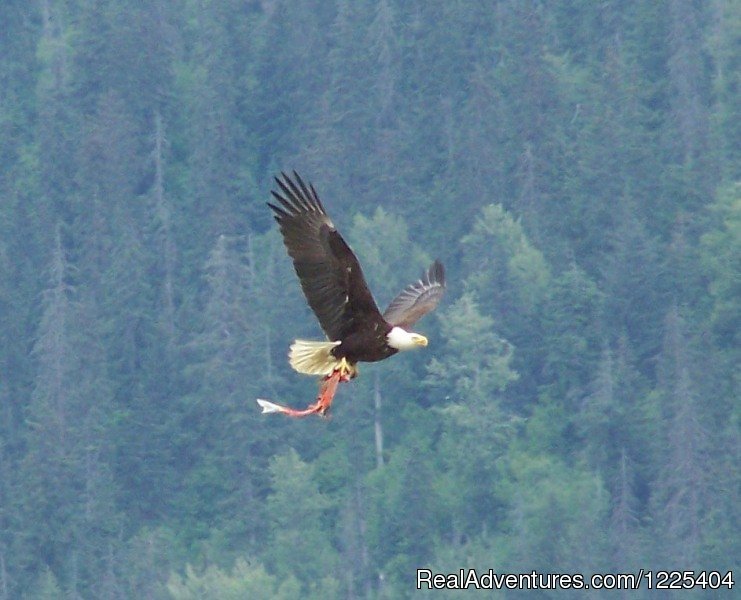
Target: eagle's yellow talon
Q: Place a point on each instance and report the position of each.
(344, 367)
(346, 370)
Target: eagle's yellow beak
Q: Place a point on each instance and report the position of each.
(419, 340)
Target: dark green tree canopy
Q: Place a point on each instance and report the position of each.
(575, 165)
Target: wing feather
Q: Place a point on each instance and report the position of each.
(418, 298)
(329, 272)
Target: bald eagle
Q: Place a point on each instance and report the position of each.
(335, 288)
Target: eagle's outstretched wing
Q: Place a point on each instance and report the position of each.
(418, 298)
(327, 268)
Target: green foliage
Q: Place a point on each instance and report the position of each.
(47, 587)
(509, 278)
(298, 512)
(721, 247)
(723, 44)
(504, 268)
(68, 471)
(574, 164)
(402, 517)
(244, 580)
(475, 364)
(634, 284)
(569, 502)
(680, 501)
(571, 330)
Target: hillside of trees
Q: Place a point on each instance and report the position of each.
(577, 167)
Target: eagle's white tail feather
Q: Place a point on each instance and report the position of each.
(269, 407)
(313, 358)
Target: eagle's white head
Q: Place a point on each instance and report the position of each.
(404, 340)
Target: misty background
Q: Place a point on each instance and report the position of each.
(574, 164)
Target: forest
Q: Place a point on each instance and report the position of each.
(576, 166)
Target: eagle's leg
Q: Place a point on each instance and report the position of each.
(327, 391)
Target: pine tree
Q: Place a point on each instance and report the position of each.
(719, 247)
(398, 493)
(723, 44)
(571, 315)
(471, 376)
(625, 534)
(570, 502)
(69, 512)
(612, 420)
(223, 440)
(300, 546)
(633, 283)
(166, 237)
(689, 103)
(509, 278)
(245, 580)
(58, 124)
(608, 137)
(679, 498)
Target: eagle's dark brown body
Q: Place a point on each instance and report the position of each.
(368, 344)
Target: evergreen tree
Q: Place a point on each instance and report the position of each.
(400, 492)
(475, 426)
(723, 45)
(245, 580)
(300, 546)
(166, 239)
(612, 419)
(689, 103)
(625, 535)
(509, 277)
(634, 286)
(217, 430)
(574, 165)
(69, 513)
(680, 504)
(568, 501)
(720, 245)
(47, 587)
(570, 334)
